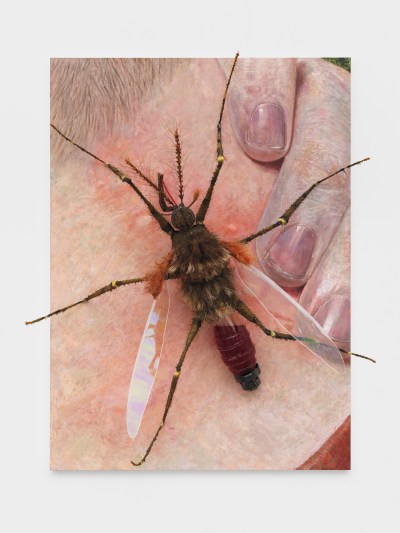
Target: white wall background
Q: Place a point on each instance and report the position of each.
(34, 499)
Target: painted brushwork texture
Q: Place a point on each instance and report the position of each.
(101, 231)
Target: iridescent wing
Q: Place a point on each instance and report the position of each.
(287, 315)
(147, 361)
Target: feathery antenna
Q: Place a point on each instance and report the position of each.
(178, 151)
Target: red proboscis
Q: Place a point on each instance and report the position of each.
(168, 193)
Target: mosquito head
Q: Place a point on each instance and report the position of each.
(183, 218)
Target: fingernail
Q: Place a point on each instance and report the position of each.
(334, 317)
(291, 253)
(267, 127)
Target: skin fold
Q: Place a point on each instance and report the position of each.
(101, 231)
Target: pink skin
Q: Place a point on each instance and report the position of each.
(102, 232)
(327, 293)
(262, 106)
(320, 144)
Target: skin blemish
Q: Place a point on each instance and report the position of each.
(131, 241)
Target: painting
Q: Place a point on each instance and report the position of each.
(285, 125)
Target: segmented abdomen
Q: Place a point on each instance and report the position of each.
(236, 348)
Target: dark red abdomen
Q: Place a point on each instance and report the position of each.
(238, 353)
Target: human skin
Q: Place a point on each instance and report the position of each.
(101, 231)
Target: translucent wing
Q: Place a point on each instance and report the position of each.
(147, 360)
(288, 315)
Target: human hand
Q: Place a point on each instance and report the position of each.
(300, 110)
(102, 232)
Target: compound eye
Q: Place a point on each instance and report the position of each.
(183, 218)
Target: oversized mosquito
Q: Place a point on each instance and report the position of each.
(214, 277)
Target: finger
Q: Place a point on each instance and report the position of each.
(327, 294)
(99, 232)
(320, 146)
(261, 104)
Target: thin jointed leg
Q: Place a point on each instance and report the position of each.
(110, 287)
(205, 204)
(196, 323)
(247, 313)
(284, 219)
(163, 222)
